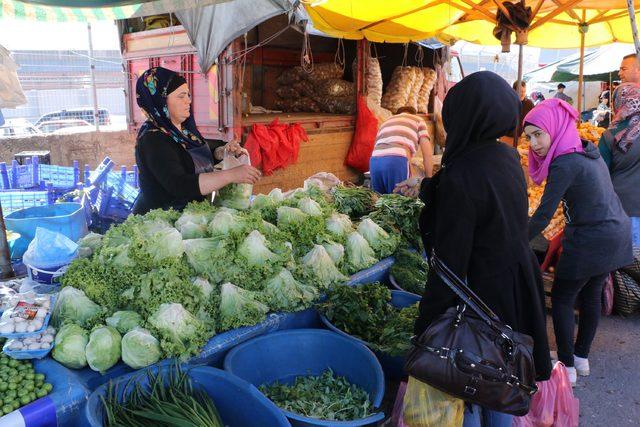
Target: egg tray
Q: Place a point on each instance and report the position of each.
(45, 324)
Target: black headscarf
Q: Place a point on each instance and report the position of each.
(480, 108)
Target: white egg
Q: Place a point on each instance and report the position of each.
(21, 328)
(31, 328)
(18, 319)
(7, 328)
(34, 347)
(16, 345)
(42, 313)
(47, 338)
(45, 345)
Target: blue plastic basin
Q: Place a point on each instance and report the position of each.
(393, 366)
(284, 356)
(65, 218)
(239, 403)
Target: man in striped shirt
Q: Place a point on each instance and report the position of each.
(398, 140)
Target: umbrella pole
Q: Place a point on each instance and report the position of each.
(634, 26)
(581, 73)
(516, 137)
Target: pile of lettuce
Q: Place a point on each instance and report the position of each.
(167, 281)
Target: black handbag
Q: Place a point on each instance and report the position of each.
(470, 354)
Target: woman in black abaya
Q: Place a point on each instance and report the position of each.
(476, 220)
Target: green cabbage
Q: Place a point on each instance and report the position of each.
(89, 244)
(339, 225)
(204, 286)
(103, 348)
(182, 334)
(380, 241)
(321, 269)
(124, 321)
(70, 344)
(335, 251)
(140, 349)
(309, 206)
(284, 293)
(276, 195)
(160, 240)
(234, 196)
(240, 307)
(206, 257)
(255, 251)
(360, 256)
(73, 306)
(290, 216)
(193, 225)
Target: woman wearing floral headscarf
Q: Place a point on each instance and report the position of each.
(175, 161)
(597, 234)
(620, 149)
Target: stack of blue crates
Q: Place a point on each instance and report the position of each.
(111, 194)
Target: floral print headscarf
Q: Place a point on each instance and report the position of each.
(626, 122)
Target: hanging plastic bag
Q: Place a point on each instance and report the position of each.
(364, 138)
(553, 404)
(234, 196)
(49, 249)
(425, 406)
(398, 407)
(11, 94)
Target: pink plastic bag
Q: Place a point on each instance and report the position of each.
(554, 404)
(396, 415)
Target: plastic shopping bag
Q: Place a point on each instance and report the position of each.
(398, 407)
(49, 249)
(234, 196)
(553, 404)
(425, 406)
(11, 94)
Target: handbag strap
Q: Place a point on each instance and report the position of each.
(463, 291)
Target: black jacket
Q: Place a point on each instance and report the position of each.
(167, 173)
(479, 229)
(597, 237)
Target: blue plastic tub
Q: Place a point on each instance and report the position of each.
(239, 403)
(65, 218)
(393, 366)
(283, 356)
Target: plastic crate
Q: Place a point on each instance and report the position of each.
(100, 173)
(109, 206)
(14, 200)
(61, 177)
(118, 184)
(24, 176)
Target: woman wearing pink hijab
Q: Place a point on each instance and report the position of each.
(597, 233)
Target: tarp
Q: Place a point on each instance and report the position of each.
(470, 20)
(599, 65)
(38, 11)
(213, 27)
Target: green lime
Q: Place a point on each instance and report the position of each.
(47, 387)
(32, 395)
(30, 386)
(39, 377)
(4, 386)
(25, 400)
(40, 393)
(30, 376)
(13, 386)
(4, 361)
(7, 408)
(22, 392)
(13, 363)
(10, 395)
(16, 404)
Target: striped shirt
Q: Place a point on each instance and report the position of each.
(400, 134)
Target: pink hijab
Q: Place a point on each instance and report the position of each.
(558, 119)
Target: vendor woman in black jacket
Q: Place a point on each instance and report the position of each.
(597, 236)
(175, 161)
(475, 220)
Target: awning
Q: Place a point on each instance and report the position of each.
(213, 27)
(118, 9)
(556, 23)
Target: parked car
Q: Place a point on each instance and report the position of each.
(56, 125)
(85, 114)
(18, 128)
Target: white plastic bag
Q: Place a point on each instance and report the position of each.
(11, 94)
(234, 196)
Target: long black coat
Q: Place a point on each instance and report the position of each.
(479, 229)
